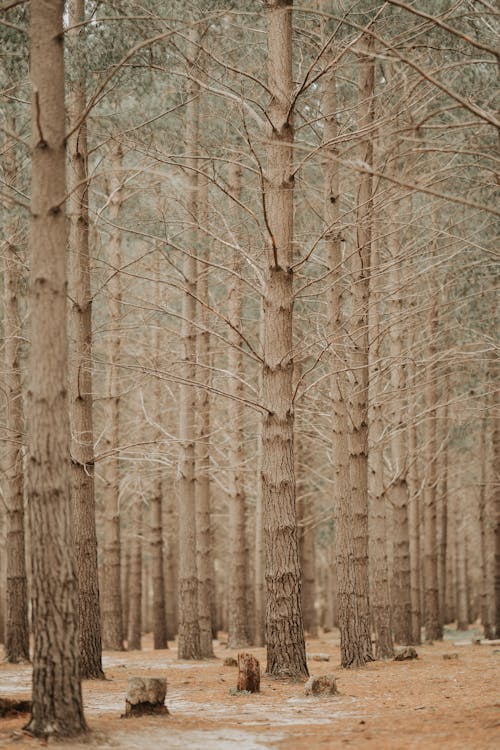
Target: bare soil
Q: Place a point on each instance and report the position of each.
(430, 702)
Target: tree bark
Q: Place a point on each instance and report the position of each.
(203, 485)
(80, 375)
(380, 599)
(112, 630)
(189, 629)
(358, 359)
(433, 629)
(57, 708)
(135, 582)
(286, 654)
(238, 625)
(16, 603)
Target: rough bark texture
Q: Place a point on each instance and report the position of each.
(112, 629)
(380, 600)
(238, 630)
(189, 629)
(16, 603)
(358, 360)
(203, 484)
(57, 698)
(305, 514)
(495, 440)
(344, 543)
(155, 514)
(286, 654)
(483, 529)
(433, 629)
(171, 539)
(398, 494)
(248, 673)
(145, 696)
(135, 583)
(80, 375)
(259, 575)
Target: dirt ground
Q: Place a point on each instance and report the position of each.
(426, 703)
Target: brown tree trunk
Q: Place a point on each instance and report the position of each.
(495, 441)
(57, 708)
(358, 360)
(306, 539)
(112, 632)
(442, 500)
(135, 582)
(413, 509)
(80, 374)
(433, 629)
(203, 485)
(380, 599)
(16, 603)
(260, 604)
(156, 514)
(483, 529)
(238, 625)
(171, 539)
(286, 654)
(189, 629)
(398, 493)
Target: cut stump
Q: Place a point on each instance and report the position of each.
(230, 661)
(248, 673)
(405, 654)
(323, 684)
(145, 696)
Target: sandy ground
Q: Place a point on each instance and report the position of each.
(427, 703)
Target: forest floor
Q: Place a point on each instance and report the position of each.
(429, 703)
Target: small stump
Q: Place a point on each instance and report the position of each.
(248, 673)
(405, 654)
(324, 684)
(230, 661)
(320, 657)
(145, 695)
(453, 655)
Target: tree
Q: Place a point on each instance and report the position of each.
(286, 655)
(80, 371)
(57, 699)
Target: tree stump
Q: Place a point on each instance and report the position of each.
(405, 653)
(322, 685)
(248, 673)
(145, 695)
(230, 661)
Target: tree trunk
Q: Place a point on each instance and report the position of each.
(17, 627)
(238, 630)
(398, 493)
(286, 654)
(379, 575)
(135, 584)
(495, 440)
(57, 708)
(433, 629)
(483, 529)
(189, 629)
(156, 515)
(112, 632)
(171, 557)
(358, 360)
(80, 375)
(306, 540)
(413, 507)
(260, 603)
(442, 499)
(203, 489)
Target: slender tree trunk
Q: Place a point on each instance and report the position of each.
(461, 545)
(238, 630)
(189, 629)
(57, 708)
(17, 626)
(379, 575)
(156, 515)
(495, 440)
(358, 355)
(135, 586)
(286, 653)
(306, 539)
(260, 603)
(398, 493)
(80, 373)
(203, 485)
(413, 508)
(433, 628)
(171, 538)
(344, 543)
(483, 521)
(112, 632)
(442, 499)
